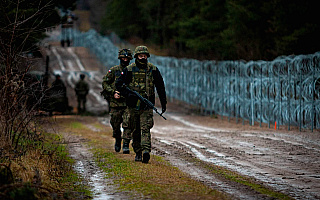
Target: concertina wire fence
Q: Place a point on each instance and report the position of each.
(285, 90)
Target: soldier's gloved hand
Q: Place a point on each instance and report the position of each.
(164, 108)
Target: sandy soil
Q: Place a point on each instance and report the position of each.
(286, 161)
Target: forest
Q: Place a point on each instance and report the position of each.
(218, 29)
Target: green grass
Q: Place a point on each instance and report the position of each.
(156, 180)
(77, 125)
(235, 177)
(74, 183)
(44, 158)
(68, 179)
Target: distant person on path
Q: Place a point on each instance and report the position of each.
(143, 77)
(117, 102)
(82, 90)
(58, 96)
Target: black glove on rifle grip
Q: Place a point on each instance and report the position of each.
(164, 108)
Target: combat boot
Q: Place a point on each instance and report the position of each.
(138, 157)
(125, 147)
(145, 157)
(117, 145)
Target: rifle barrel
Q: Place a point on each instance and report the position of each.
(146, 101)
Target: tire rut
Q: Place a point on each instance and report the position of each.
(288, 163)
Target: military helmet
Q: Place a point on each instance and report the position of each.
(140, 50)
(125, 53)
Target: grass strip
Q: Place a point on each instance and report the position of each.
(44, 171)
(243, 180)
(159, 179)
(156, 180)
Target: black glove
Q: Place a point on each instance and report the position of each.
(164, 108)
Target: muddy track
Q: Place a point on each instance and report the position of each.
(286, 161)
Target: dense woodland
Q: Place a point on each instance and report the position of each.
(23, 23)
(219, 29)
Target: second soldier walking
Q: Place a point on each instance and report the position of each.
(116, 101)
(144, 78)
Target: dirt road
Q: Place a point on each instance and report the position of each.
(287, 161)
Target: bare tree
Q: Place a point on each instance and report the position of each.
(23, 24)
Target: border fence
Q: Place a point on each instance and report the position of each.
(285, 91)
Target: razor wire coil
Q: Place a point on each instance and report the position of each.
(285, 90)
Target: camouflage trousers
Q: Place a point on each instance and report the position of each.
(117, 115)
(140, 123)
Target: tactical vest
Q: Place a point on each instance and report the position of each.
(142, 79)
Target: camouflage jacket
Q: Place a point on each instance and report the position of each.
(109, 88)
(144, 81)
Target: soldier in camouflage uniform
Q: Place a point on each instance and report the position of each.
(116, 101)
(82, 90)
(142, 77)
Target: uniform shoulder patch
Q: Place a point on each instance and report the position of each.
(114, 68)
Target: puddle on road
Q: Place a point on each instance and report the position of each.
(96, 181)
(98, 187)
(92, 173)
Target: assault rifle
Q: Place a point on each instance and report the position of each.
(146, 101)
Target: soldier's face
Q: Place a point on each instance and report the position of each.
(125, 59)
(142, 56)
